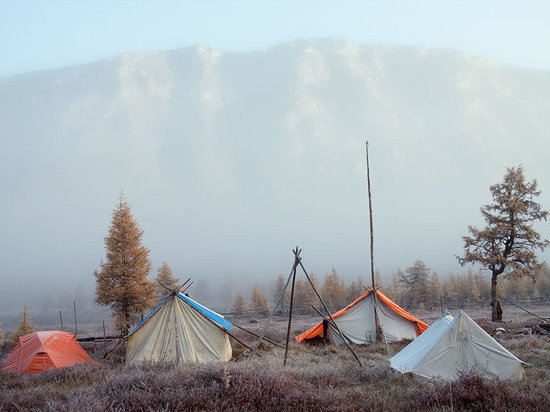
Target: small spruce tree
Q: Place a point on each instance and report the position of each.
(25, 326)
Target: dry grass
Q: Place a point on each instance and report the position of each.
(315, 378)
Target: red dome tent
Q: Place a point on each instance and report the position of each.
(38, 351)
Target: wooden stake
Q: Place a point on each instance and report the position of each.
(104, 340)
(75, 326)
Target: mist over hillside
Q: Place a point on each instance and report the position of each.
(231, 159)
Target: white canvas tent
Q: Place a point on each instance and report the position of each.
(180, 330)
(454, 345)
(357, 322)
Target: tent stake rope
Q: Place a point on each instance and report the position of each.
(517, 306)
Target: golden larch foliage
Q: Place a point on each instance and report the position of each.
(238, 306)
(121, 282)
(165, 277)
(258, 301)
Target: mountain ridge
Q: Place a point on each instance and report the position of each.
(223, 151)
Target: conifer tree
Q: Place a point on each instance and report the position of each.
(122, 282)
(1, 332)
(165, 279)
(279, 286)
(258, 301)
(238, 306)
(333, 291)
(25, 326)
(508, 243)
(415, 282)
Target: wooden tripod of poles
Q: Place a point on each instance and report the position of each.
(292, 276)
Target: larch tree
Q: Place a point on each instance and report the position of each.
(279, 287)
(333, 291)
(238, 306)
(258, 301)
(165, 279)
(122, 282)
(508, 243)
(25, 326)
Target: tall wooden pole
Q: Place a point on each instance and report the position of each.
(61, 320)
(378, 328)
(290, 314)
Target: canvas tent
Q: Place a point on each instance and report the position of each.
(180, 330)
(357, 322)
(38, 351)
(453, 345)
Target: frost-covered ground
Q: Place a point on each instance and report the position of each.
(321, 377)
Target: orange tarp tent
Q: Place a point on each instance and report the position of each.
(357, 321)
(38, 351)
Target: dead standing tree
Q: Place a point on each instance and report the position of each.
(292, 276)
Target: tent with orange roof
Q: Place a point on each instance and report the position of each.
(357, 322)
(38, 351)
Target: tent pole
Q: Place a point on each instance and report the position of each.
(299, 260)
(61, 320)
(257, 336)
(290, 313)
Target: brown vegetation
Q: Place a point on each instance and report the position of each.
(316, 378)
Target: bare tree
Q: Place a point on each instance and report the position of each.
(508, 243)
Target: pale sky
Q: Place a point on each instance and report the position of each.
(37, 35)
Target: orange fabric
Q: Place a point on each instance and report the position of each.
(317, 330)
(43, 350)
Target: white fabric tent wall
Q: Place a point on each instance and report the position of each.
(455, 346)
(178, 333)
(358, 323)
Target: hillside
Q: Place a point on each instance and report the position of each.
(231, 159)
